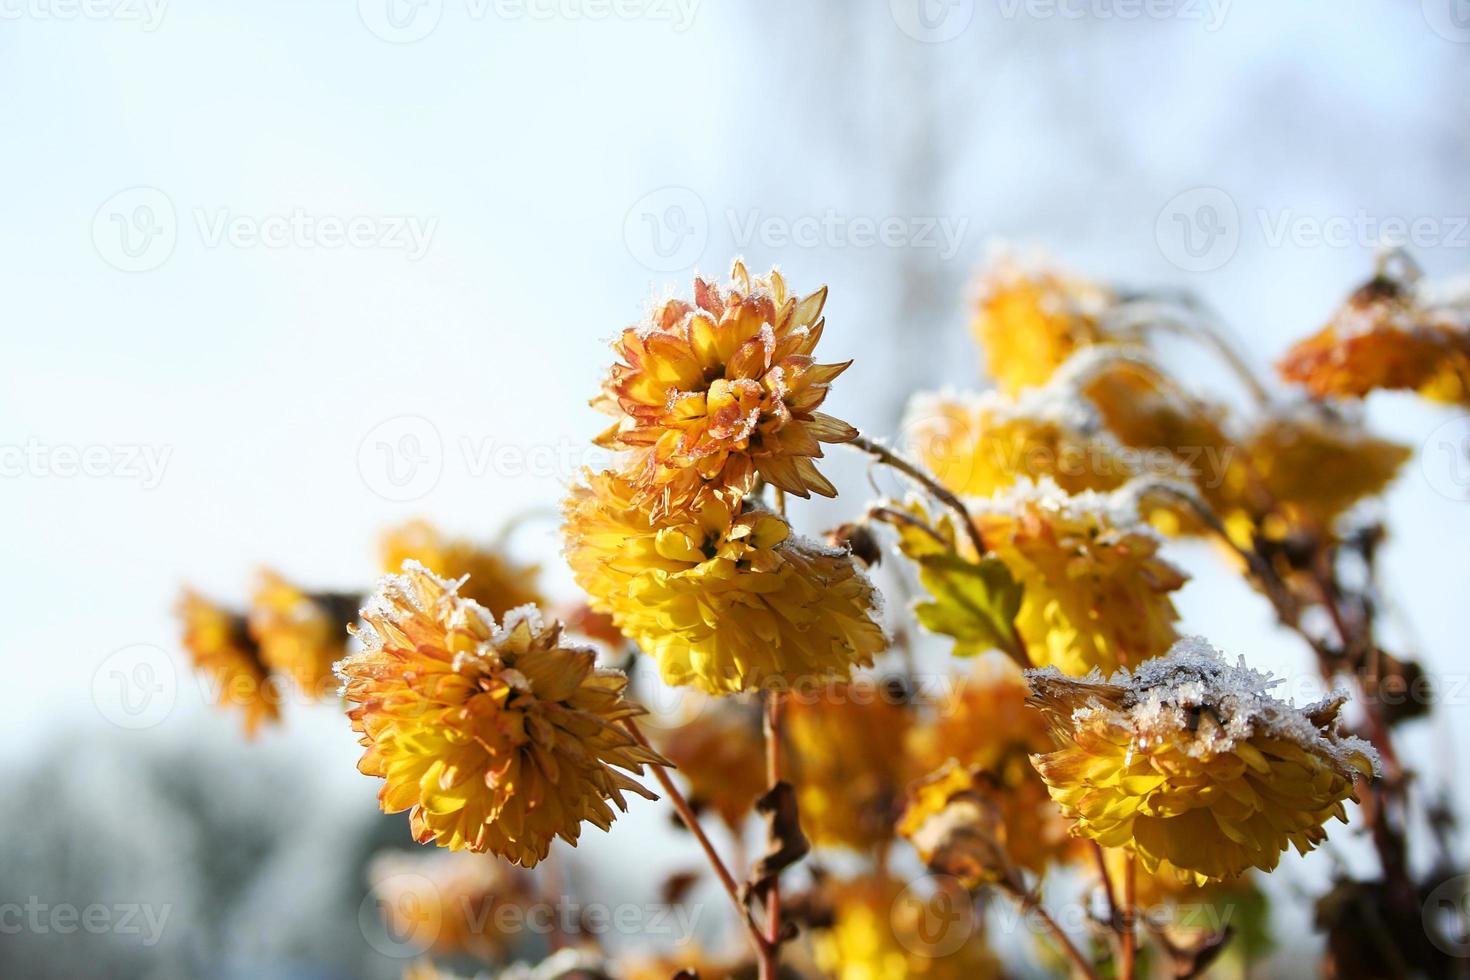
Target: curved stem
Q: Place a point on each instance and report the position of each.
(888, 457)
(1128, 913)
(1029, 903)
(691, 821)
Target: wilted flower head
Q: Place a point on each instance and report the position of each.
(723, 597)
(720, 751)
(1096, 591)
(448, 903)
(847, 752)
(880, 930)
(1383, 337)
(1030, 317)
(220, 644)
(495, 581)
(977, 446)
(1314, 465)
(720, 390)
(498, 738)
(300, 634)
(1191, 764)
(980, 740)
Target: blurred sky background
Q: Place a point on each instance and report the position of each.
(560, 169)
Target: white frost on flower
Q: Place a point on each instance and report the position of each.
(1115, 509)
(1192, 689)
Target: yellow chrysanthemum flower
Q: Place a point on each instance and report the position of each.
(1384, 338)
(720, 751)
(448, 903)
(220, 644)
(980, 740)
(1029, 318)
(495, 581)
(882, 931)
(723, 598)
(846, 750)
(1191, 764)
(499, 738)
(1314, 466)
(300, 634)
(977, 446)
(720, 390)
(1096, 592)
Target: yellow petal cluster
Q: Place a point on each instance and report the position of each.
(448, 903)
(846, 752)
(1191, 764)
(1096, 590)
(1315, 465)
(495, 581)
(882, 931)
(300, 635)
(498, 738)
(1384, 338)
(1029, 318)
(977, 446)
(979, 741)
(715, 392)
(220, 644)
(722, 595)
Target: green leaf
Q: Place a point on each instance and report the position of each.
(975, 602)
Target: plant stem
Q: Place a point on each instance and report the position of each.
(770, 958)
(691, 821)
(1129, 932)
(1029, 903)
(889, 458)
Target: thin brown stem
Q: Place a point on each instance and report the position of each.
(1031, 905)
(1107, 882)
(1129, 930)
(887, 457)
(691, 821)
(770, 950)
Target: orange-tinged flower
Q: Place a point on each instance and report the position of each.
(498, 738)
(300, 634)
(449, 903)
(495, 581)
(979, 742)
(720, 751)
(220, 644)
(1383, 337)
(724, 597)
(1030, 317)
(1315, 465)
(977, 446)
(1096, 591)
(846, 744)
(1191, 764)
(720, 390)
